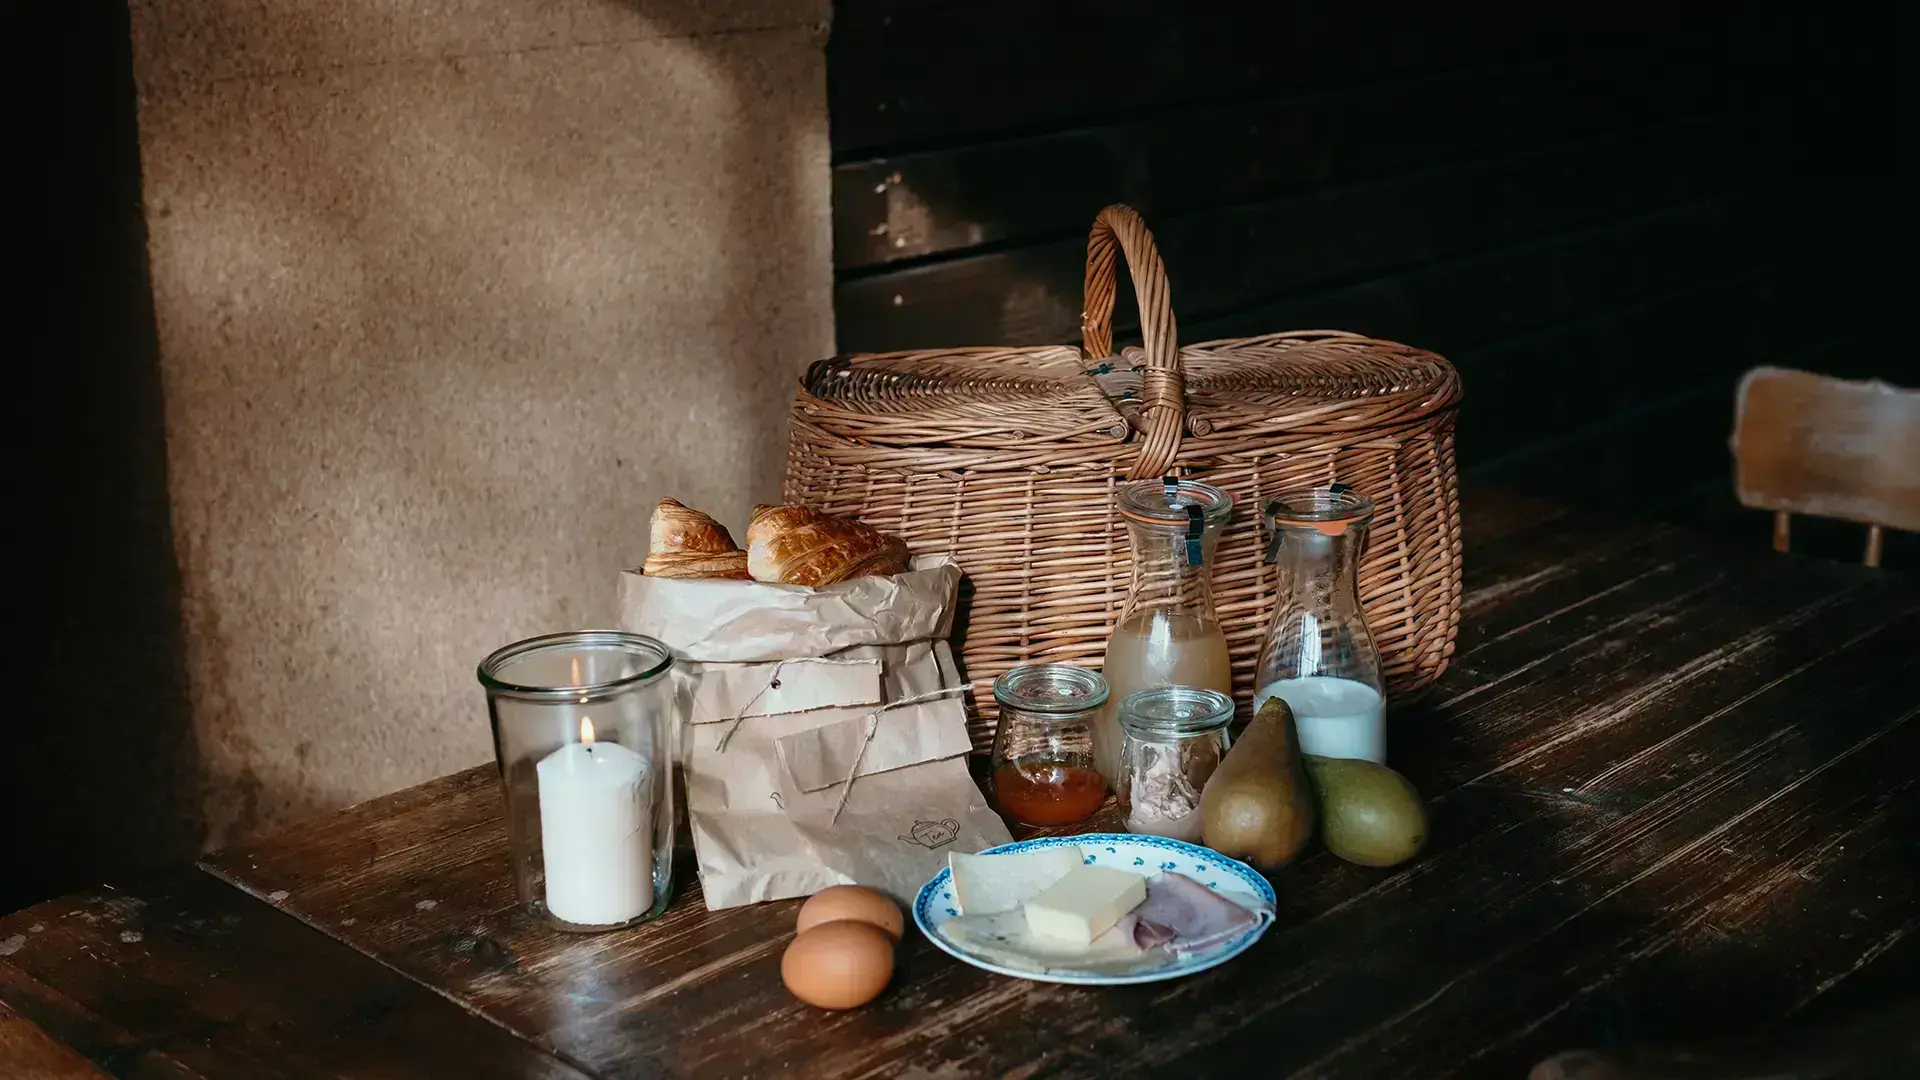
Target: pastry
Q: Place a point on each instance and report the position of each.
(685, 543)
(796, 546)
(725, 564)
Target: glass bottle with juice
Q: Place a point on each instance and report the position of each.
(1167, 634)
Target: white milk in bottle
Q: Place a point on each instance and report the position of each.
(1319, 656)
(1340, 718)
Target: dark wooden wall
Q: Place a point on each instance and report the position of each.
(1600, 215)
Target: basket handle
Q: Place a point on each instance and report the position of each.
(1162, 386)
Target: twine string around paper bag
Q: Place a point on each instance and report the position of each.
(873, 726)
(773, 683)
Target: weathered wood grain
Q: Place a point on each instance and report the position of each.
(1879, 1044)
(1690, 941)
(1645, 747)
(445, 838)
(1488, 516)
(186, 976)
(1507, 863)
(32, 1054)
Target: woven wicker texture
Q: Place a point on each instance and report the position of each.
(1007, 460)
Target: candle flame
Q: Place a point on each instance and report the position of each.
(586, 729)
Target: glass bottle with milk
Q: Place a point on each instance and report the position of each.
(1167, 634)
(1318, 656)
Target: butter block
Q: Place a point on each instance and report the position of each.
(990, 884)
(1084, 904)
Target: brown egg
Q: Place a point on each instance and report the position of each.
(838, 965)
(857, 902)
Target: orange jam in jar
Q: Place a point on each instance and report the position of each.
(1048, 794)
(1043, 769)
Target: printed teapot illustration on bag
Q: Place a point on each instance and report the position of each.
(932, 834)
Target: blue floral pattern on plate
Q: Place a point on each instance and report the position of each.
(1231, 878)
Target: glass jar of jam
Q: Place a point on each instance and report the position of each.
(1175, 738)
(1042, 769)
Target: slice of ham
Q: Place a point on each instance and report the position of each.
(1184, 915)
(1150, 935)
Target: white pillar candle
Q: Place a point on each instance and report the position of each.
(596, 831)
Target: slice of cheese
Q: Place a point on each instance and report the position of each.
(1005, 940)
(1084, 904)
(988, 884)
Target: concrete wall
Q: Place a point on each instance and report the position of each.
(447, 293)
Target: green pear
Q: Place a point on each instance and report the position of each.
(1369, 814)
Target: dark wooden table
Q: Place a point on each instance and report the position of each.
(1673, 798)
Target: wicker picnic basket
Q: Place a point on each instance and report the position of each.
(1007, 460)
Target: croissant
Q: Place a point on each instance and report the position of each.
(685, 543)
(797, 546)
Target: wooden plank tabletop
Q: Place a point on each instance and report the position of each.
(1672, 799)
(186, 976)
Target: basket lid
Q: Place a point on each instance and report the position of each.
(1308, 380)
(1008, 397)
(989, 398)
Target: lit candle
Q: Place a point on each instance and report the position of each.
(596, 831)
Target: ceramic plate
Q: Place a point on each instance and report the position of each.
(1141, 855)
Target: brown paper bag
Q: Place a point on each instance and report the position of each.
(715, 620)
(762, 809)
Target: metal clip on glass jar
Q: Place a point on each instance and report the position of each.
(1167, 635)
(1318, 656)
(1175, 738)
(584, 728)
(1042, 769)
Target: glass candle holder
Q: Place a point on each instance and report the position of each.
(584, 729)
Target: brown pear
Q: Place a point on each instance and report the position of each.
(1257, 806)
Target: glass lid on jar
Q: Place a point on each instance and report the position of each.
(1331, 510)
(1166, 502)
(1174, 711)
(1050, 688)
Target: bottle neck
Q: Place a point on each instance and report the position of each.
(1321, 572)
(1318, 627)
(1164, 575)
